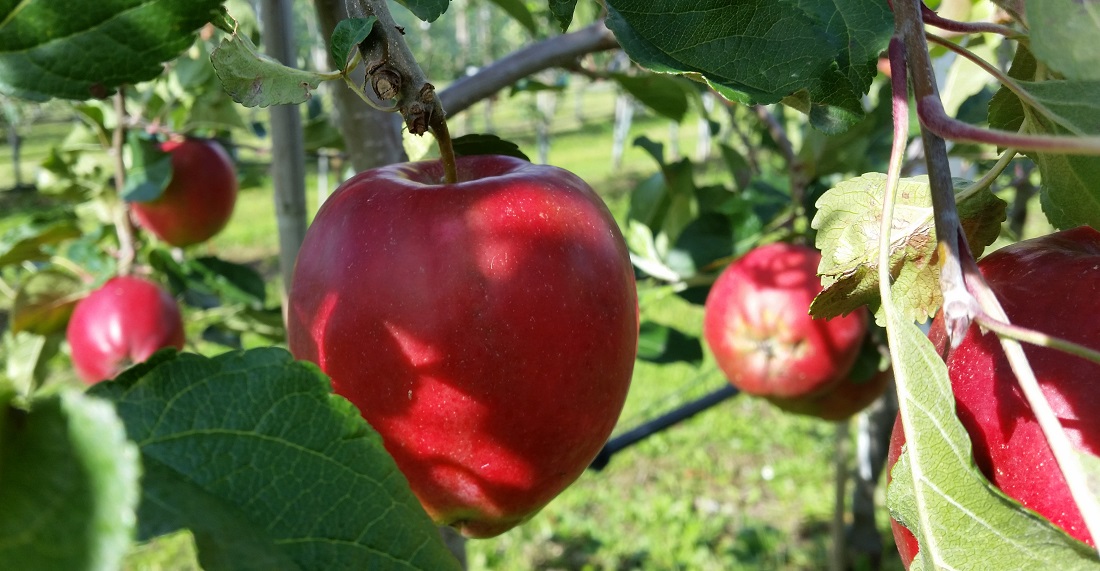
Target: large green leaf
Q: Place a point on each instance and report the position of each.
(26, 241)
(817, 55)
(254, 454)
(1061, 36)
(848, 220)
(75, 49)
(563, 11)
(69, 489)
(254, 79)
(44, 302)
(664, 94)
(959, 519)
(519, 11)
(427, 10)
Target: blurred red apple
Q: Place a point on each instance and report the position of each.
(840, 400)
(121, 323)
(199, 198)
(757, 323)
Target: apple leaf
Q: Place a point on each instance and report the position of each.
(254, 79)
(26, 241)
(427, 10)
(150, 171)
(75, 49)
(254, 454)
(70, 484)
(207, 281)
(1006, 111)
(563, 11)
(26, 355)
(665, 94)
(1056, 28)
(744, 49)
(959, 519)
(519, 12)
(485, 144)
(44, 302)
(661, 344)
(347, 36)
(847, 221)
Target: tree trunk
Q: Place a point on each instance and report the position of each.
(372, 138)
(287, 149)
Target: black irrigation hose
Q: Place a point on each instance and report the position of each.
(637, 434)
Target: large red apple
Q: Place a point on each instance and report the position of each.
(486, 329)
(121, 323)
(757, 323)
(1050, 284)
(199, 198)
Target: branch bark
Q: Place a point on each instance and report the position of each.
(288, 167)
(554, 52)
(354, 119)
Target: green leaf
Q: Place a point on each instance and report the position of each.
(746, 49)
(427, 10)
(74, 49)
(26, 242)
(563, 12)
(26, 356)
(44, 302)
(848, 221)
(518, 10)
(665, 94)
(347, 36)
(208, 280)
(253, 79)
(667, 204)
(253, 453)
(704, 241)
(1070, 192)
(1057, 31)
(959, 519)
(485, 144)
(70, 485)
(150, 172)
(663, 344)
(1006, 111)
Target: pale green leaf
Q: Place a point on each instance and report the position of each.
(254, 79)
(254, 454)
(1063, 33)
(70, 485)
(563, 11)
(848, 221)
(961, 522)
(347, 36)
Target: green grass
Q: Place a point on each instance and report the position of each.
(740, 486)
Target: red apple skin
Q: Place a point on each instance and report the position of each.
(200, 197)
(486, 329)
(839, 401)
(1050, 284)
(757, 323)
(123, 322)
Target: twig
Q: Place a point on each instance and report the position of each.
(394, 73)
(124, 226)
(933, 19)
(796, 169)
(1038, 338)
(934, 118)
(958, 304)
(556, 51)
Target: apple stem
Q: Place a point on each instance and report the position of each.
(958, 303)
(394, 74)
(124, 226)
(1068, 460)
(1038, 338)
(931, 18)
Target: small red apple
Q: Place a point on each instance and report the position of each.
(486, 329)
(839, 401)
(121, 323)
(757, 323)
(1050, 284)
(198, 200)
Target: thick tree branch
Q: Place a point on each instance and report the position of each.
(554, 52)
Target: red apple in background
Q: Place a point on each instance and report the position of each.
(757, 323)
(486, 329)
(121, 323)
(1050, 284)
(841, 400)
(199, 198)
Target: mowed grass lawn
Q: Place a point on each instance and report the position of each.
(740, 486)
